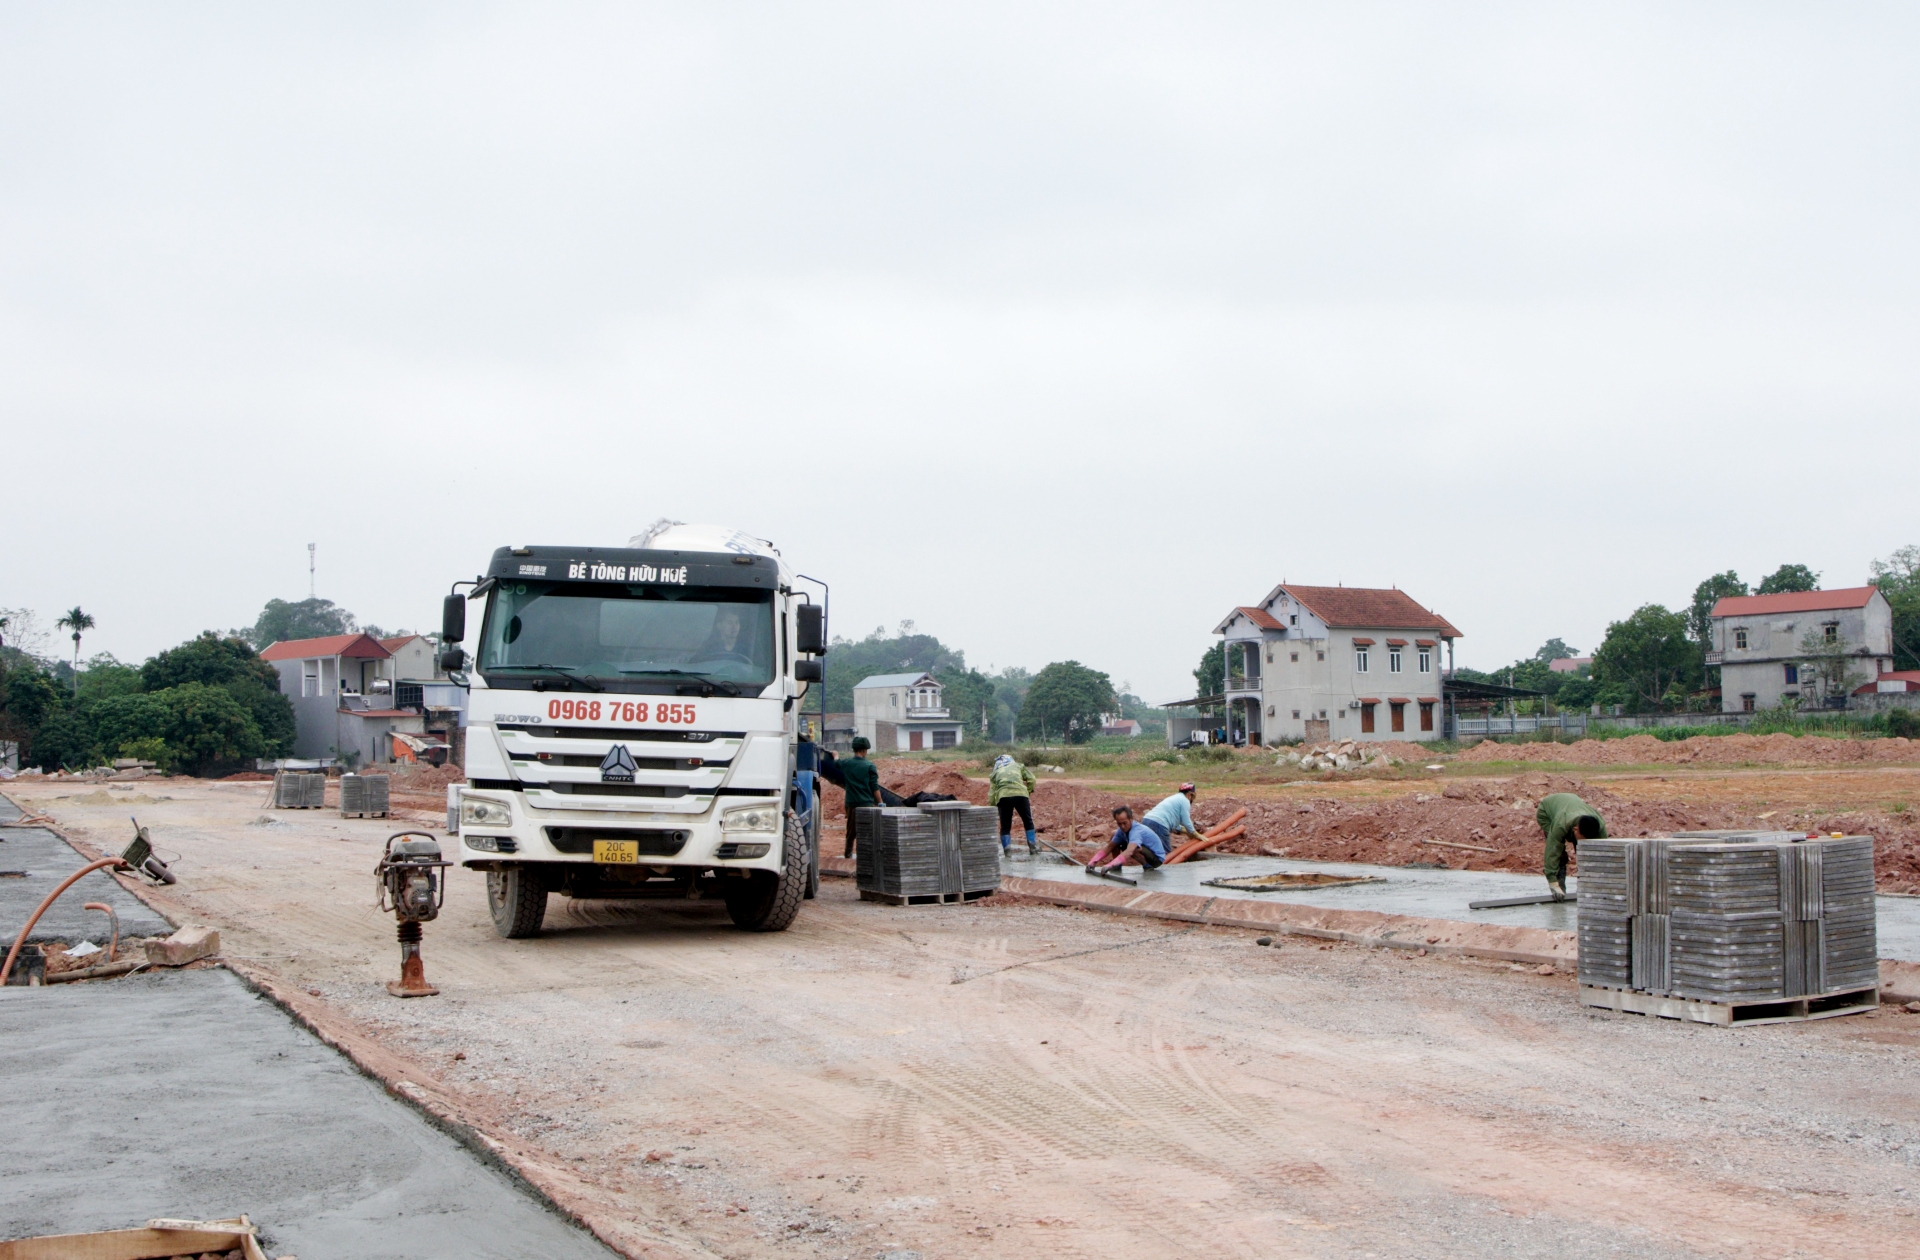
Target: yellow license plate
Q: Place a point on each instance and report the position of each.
(616, 852)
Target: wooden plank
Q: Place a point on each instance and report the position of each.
(138, 1244)
(1730, 1014)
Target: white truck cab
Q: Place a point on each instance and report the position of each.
(634, 726)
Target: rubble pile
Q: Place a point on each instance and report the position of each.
(1340, 754)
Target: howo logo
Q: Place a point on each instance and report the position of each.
(617, 766)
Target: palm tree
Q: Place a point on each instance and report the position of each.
(78, 622)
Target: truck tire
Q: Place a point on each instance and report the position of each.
(765, 902)
(518, 899)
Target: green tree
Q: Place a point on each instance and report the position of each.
(1826, 662)
(63, 741)
(1555, 649)
(1067, 700)
(848, 661)
(1211, 674)
(1898, 577)
(968, 695)
(225, 661)
(1650, 656)
(1710, 592)
(307, 619)
(203, 727)
(79, 622)
(104, 676)
(1789, 578)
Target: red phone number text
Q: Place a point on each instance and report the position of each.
(620, 711)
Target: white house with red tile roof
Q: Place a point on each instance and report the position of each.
(1760, 644)
(1339, 662)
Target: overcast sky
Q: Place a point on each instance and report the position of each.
(1058, 329)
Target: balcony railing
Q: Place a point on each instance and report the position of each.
(1241, 682)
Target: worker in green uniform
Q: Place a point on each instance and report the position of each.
(861, 778)
(1567, 820)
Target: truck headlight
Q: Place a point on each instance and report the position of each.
(751, 818)
(477, 811)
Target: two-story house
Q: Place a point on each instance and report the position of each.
(1334, 662)
(1809, 646)
(903, 713)
(342, 688)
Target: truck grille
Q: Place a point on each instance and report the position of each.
(652, 843)
(672, 792)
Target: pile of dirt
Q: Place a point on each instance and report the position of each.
(905, 776)
(1736, 749)
(246, 776)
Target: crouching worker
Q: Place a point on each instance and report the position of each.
(1130, 839)
(1010, 790)
(1566, 820)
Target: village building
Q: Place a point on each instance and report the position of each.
(352, 693)
(1334, 662)
(1807, 648)
(903, 713)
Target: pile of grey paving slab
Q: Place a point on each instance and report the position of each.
(947, 850)
(1728, 916)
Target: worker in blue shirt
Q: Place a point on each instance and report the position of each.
(1174, 816)
(1130, 839)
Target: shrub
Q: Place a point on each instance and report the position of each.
(1903, 722)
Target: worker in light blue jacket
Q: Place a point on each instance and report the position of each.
(1174, 815)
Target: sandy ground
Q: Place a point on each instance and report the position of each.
(1007, 1079)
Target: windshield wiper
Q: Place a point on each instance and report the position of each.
(565, 671)
(700, 680)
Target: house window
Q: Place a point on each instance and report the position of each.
(1740, 639)
(944, 739)
(1397, 712)
(1359, 660)
(1366, 719)
(310, 678)
(1746, 703)
(1426, 715)
(1393, 661)
(1296, 658)
(1793, 675)
(1293, 619)
(1426, 661)
(1269, 653)
(1296, 715)
(1319, 656)
(1831, 632)
(893, 700)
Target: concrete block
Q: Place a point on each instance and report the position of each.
(190, 943)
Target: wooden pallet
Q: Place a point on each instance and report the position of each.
(1727, 1014)
(366, 813)
(925, 899)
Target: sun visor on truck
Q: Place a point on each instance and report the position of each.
(629, 567)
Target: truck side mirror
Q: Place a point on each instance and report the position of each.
(453, 619)
(453, 659)
(811, 635)
(810, 671)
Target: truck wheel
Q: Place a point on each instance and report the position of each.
(765, 902)
(518, 899)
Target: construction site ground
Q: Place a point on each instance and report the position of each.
(1011, 1077)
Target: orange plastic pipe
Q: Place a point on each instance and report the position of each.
(1228, 821)
(1187, 850)
(7, 969)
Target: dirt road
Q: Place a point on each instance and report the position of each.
(1004, 1080)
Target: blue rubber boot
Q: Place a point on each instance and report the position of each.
(1033, 843)
(1006, 845)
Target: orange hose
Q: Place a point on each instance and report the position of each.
(1228, 821)
(7, 969)
(113, 946)
(1192, 847)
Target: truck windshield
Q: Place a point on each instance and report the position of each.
(633, 634)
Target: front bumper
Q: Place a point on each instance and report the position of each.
(662, 839)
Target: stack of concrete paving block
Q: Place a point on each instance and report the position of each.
(293, 790)
(1728, 917)
(364, 795)
(943, 851)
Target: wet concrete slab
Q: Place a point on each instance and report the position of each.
(184, 1094)
(1401, 890)
(46, 859)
